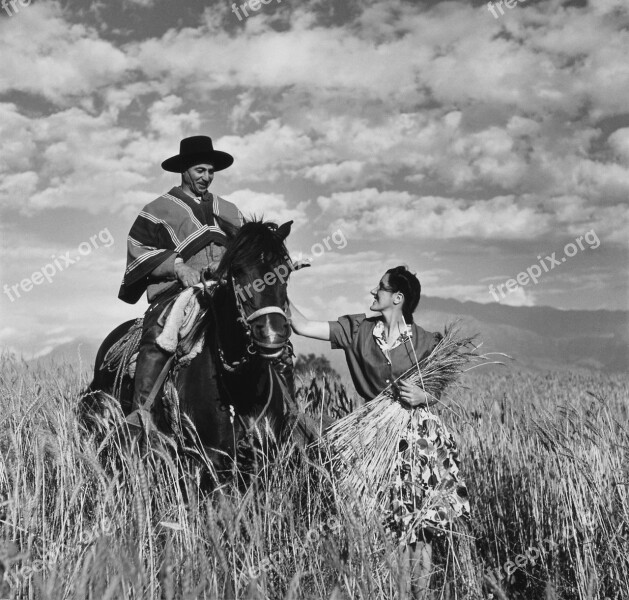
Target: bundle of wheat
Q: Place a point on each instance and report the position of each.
(364, 445)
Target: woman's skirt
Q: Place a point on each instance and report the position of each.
(426, 495)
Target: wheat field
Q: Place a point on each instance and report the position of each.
(544, 457)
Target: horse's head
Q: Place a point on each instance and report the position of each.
(256, 267)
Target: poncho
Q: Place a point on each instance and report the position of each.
(173, 224)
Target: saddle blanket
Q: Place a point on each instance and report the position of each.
(181, 333)
(183, 323)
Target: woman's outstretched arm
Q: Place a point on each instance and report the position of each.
(319, 330)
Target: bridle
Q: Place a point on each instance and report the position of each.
(246, 322)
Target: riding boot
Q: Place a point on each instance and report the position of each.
(151, 358)
(151, 361)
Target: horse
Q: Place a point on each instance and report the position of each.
(237, 379)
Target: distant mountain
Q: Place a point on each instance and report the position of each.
(543, 320)
(80, 351)
(537, 337)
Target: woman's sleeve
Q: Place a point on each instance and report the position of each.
(343, 331)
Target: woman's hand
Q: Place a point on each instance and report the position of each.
(412, 395)
(319, 330)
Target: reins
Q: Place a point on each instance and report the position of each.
(246, 323)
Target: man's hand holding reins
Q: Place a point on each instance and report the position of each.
(187, 275)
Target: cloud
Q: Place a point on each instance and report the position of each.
(346, 173)
(619, 143)
(273, 207)
(518, 297)
(394, 214)
(321, 289)
(166, 120)
(453, 54)
(73, 158)
(498, 102)
(43, 54)
(319, 58)
(264, 154)
(14, 187)
(576, 215)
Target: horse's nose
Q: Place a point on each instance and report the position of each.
(270, 333)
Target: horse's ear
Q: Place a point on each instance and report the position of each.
(229, 229)
(284, 230)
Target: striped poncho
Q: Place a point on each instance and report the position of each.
(174, 224)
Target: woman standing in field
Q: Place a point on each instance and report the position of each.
(378, 351)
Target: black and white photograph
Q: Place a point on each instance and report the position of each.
(314, 300)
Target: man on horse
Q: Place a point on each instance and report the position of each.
(176, 240)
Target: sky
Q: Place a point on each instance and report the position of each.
(468, 145)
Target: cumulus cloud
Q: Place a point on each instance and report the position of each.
(394, 214)
(346, 173)
(273, 207)
(73, 158)
(267, 152)
(43, 54)
(485, 83)
(619, 143)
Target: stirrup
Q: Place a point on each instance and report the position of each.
(141, 419)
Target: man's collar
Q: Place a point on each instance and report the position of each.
(179, 193)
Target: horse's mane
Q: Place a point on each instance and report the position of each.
(256, 241)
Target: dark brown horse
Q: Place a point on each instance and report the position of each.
(236, 387)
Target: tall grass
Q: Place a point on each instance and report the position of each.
(540, 454)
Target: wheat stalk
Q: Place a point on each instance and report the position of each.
(363, 446)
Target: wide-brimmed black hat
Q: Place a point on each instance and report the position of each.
(196, 150)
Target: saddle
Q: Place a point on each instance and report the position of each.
(182, 337)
